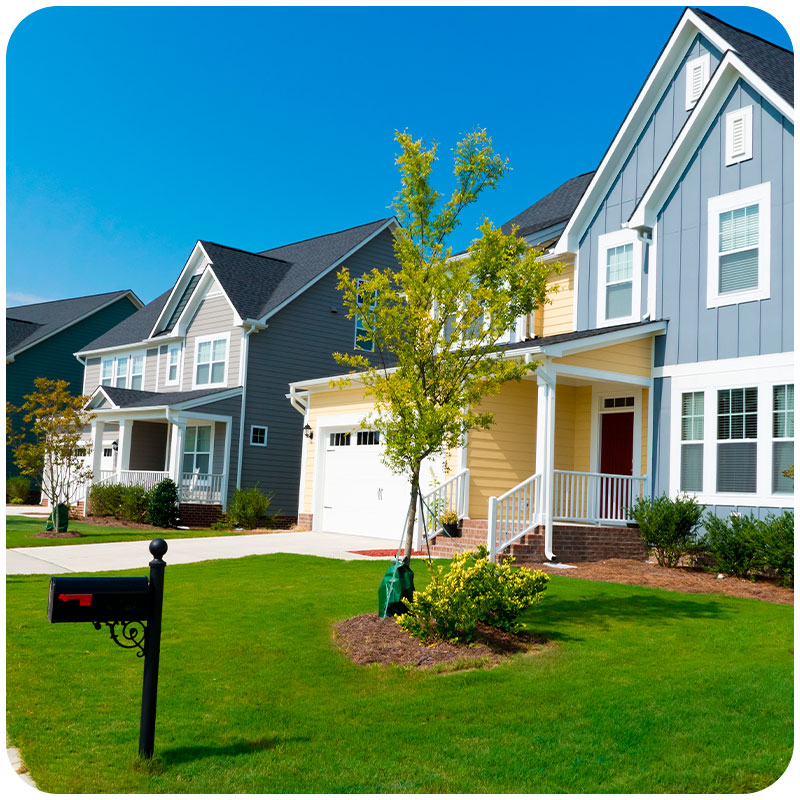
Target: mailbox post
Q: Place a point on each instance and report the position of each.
(131, 607)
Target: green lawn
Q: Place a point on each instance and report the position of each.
(19, 530)
(646, 691)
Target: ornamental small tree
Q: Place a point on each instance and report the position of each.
(51, 451)
(435, 321)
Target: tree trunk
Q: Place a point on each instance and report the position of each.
(408, 541)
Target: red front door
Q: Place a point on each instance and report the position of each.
(616, 458)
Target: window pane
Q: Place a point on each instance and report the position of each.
(782, 459)
(619, 263)
(191, 438)
(738, 271)
(138, 364)
(202, 373)
(188, 462)
(122, 365)
(136, 382)
(203, 351)
(173, 355)
(173, 373)
(618, 300)
(219, 350)
(204, 439)
(218, 372)
(108, 368)
(201, 463)
(122, 382)
(736, 467)
(692, 467)
(738, 228)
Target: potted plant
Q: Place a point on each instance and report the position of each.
(449, 520)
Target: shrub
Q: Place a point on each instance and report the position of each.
(249, 508)
(734, 543)
(472, 590)
(16, 501)
(105, 499)
(222, 523)
(776, 551)
(669, 527)
(162, 504)
(133, 503)
(17, 489)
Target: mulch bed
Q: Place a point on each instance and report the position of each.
(56, 535)
(370, 639)
(387, 553)
(679, 579)
(113, 522)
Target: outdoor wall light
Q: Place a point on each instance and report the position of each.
(115, 446)
(308, 433)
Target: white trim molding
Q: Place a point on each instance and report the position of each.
(605, 243)
(211, 338)
(759, 195)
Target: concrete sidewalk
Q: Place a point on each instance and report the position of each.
(132, 555)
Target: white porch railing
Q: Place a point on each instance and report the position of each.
(133, 477)
(452, 495)
(594, 497)
(198, 487)
(513, 514)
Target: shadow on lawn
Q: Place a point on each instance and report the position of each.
(183, 755)
(601, 610)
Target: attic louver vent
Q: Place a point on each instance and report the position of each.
(739, 135)
(737, 138)
(696, 79)
(187, 293)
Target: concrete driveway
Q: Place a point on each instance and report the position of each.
(132, 555)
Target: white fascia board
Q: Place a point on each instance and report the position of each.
(100, 390)
(198, 252)
(134, 299)
(687, 28)
(118, 348)
(391, 223)
(601, 375)
(573, 346)
(198, 295)
(730, 69)
(208, 398)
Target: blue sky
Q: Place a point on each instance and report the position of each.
(133, 132)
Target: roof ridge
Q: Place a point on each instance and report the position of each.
(246, 252)
(742, 30)
(65, 299)
(323, 235)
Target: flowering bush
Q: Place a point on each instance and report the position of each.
(472, 590)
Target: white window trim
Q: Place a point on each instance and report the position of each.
(266, 436)
(598, 409)
(746, 115)
(167, 381)
(704, 62)
(605, 242)
(775, 439)
(199, 423)
(211, 338)
(143, 356)
(761, 195)
(679, 416)
(724, 375)
(128, 375)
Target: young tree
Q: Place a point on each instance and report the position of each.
(434, 323)
(52, 453)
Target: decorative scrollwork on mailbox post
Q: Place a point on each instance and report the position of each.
(131, 608)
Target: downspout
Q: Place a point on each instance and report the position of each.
(248, 327)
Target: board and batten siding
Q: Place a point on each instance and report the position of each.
(298, 344)
(695, 332)
(633, 179)
(214, 315)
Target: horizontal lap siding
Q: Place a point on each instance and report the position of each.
(214, 315)
(556, 316)
(229, 408)
(150, 369)
(298, 345)
(695, 332)
(504, 455)
(630, 358)
(582, 427)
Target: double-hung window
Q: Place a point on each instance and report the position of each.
(121, 376)
(137, 372)
(363, 338)
(692, 405)
(197, 449)
(211, 362)
(619, 278)
(126, 372)
(173, 361)
(782, 437)
(107, 372)
(737, 432)
(738, 246)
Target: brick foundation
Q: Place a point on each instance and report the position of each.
(198, 515)
(305, 522)
(284, 523)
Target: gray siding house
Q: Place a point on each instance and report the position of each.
(193, 386)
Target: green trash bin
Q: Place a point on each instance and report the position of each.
(397, 585)
(63, 519)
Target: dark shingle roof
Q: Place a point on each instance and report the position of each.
(44, 319)
(133, 329)
(311, 257)
(552, 208)
(135, 398)
(772, 63)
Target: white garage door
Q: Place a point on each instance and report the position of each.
(360, 494)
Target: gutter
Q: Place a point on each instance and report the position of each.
(249, 326)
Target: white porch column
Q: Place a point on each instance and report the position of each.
(545, 452)
(98, 426)
(176, 452)
(124, 444)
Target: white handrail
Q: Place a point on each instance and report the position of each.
(452, 495)
(595, 497)
(513, 514)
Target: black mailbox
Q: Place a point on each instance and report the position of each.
(98, 600)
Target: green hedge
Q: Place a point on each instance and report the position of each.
(669, 527)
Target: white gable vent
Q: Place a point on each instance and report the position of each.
(738, 135)
(696, 79)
